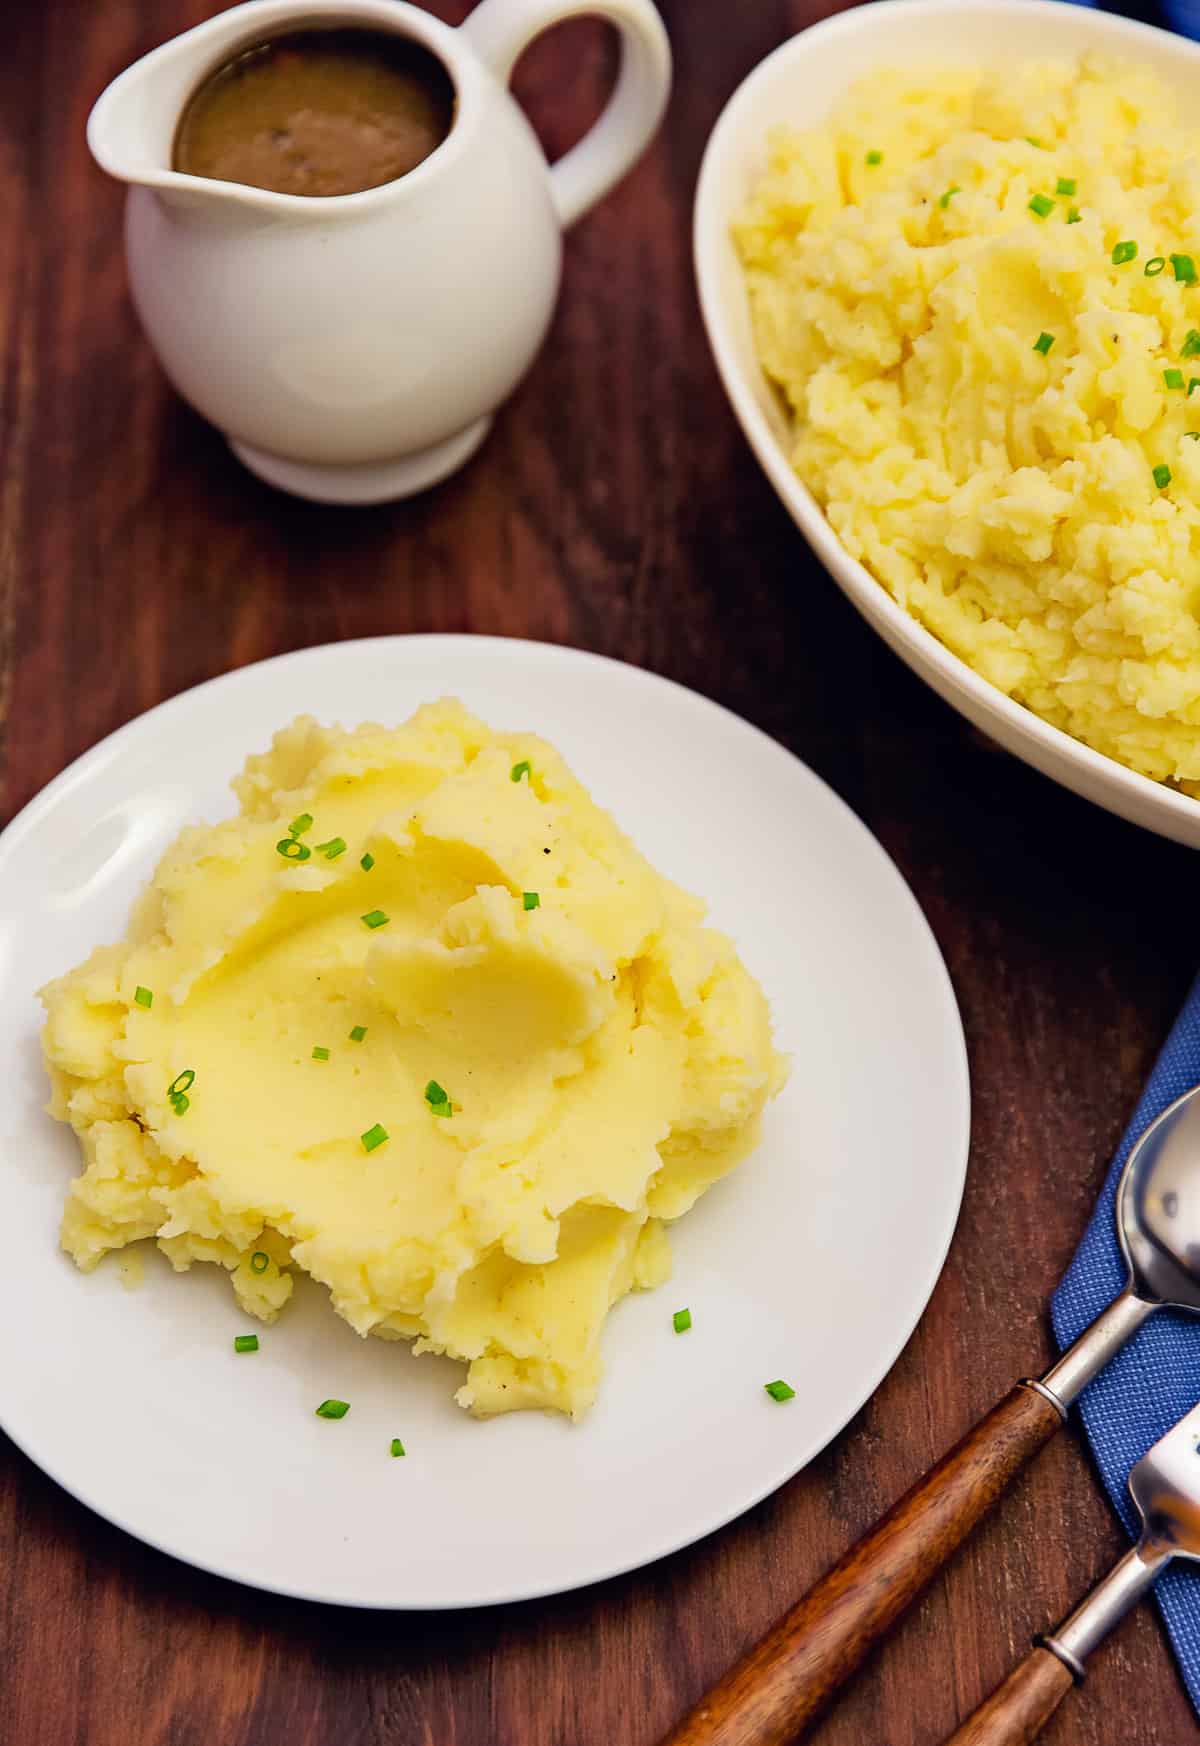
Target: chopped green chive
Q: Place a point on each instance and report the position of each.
(1042, 205)
(300, 824)
(292, 849)
(333, 848)
(1124, 251)
(245, 1343)
(1162, 475)
(375, 918)
(682, 1320)
(1043, 342)
(1191, 345)
(1184, 268)
(259, 1261)
(874, 157)
(367, 862)
(142, 996)
(1065, 185)
(531, 899)
(779, 1390)
(948, 196)
(1173, 378)
(1154, 266)
(1037, 143)
(397, 1447)
(373, 1137)
(1194, 382)
(320, 1054)
(180, 1104)
(438, 1100)
(519, 770)
(333, 1409)
(358, 1033)
(182, 1082)
(1194, 434)
(1074, 216)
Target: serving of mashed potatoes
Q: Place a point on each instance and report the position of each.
(980, 296)
(422, 1023)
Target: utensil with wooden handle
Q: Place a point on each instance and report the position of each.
(787, 1678)
(1165, 1487)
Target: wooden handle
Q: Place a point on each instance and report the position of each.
(782, 1683)
(1017, 1711)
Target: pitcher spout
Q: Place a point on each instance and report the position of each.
(131, 130)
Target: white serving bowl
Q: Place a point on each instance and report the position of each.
(798, 84)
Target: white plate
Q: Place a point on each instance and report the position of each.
(812, 1262)
(799, 83)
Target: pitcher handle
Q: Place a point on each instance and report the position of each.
(499, 30)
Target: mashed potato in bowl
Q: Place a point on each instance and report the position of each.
(980, 298)
(422, 1023)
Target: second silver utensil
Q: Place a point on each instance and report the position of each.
(1165, 1486)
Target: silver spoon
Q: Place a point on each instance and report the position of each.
(780, 1685)
(1165, 1486)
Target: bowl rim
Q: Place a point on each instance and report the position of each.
(710, 234)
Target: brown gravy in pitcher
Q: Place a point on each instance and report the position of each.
(317, 112)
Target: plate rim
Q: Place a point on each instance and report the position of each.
(957, 1065)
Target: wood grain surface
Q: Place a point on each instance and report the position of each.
(617, 508)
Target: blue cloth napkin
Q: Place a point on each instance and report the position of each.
(1183, 16)
(1155, 1379)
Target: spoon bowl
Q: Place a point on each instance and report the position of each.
(1158, 1227)
(1158, 1207)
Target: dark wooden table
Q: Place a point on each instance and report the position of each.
(615, 507)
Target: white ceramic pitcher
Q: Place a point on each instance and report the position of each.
(353, 348)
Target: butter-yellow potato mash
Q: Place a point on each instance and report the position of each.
(423, 1023)
(980, 295)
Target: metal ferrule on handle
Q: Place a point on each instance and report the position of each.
(1019, 1709)
(1105, 1607)
(1113, 1328)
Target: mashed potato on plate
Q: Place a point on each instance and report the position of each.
(422, 1023)
(980, 295)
